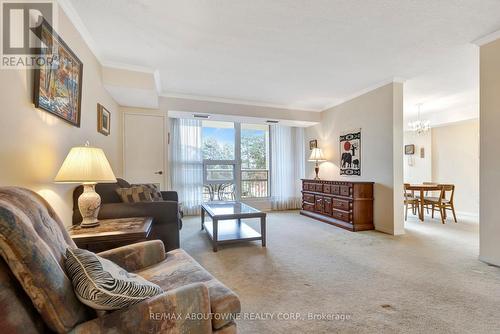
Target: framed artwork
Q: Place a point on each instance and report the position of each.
(410, 149)
(58, 82)
(313, 144)
(103, 120)
(350, 153)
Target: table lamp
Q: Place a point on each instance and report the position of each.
(316, 156)
(86, 165)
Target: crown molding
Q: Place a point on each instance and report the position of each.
(74, 17)
(364, 91)
(487, 38)
(157, 78)
(232, 101)
(128, 67)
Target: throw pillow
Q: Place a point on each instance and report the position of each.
(154, 190)
(102, 284)
(135, 194)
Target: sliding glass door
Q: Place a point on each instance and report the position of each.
(236, 159)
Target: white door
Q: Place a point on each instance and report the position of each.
(144, 148)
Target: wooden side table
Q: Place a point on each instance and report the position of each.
(112, 233)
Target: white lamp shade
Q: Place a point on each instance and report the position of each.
(85, 165)
(317, 155)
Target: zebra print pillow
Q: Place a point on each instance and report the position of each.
(103, 285)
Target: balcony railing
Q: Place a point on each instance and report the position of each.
(254, 184)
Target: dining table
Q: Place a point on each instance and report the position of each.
(422, 188)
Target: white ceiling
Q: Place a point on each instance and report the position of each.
(304, 54)
(448, 91)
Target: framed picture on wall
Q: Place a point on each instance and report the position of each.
(410, 149)
(58, 81)
(350, 153)
(103, 120)
(313, 144)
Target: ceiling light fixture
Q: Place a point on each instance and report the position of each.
(272, 122)
(419, 126)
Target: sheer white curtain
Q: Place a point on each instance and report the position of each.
(287, 166)
(187, 163)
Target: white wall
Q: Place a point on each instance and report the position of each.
(451, 156)
(379, 115)
(34, 143)
(455, 160)
(489, 226)
(421, 169)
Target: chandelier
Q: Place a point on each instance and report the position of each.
(419, 126)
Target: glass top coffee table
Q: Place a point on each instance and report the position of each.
(232, 229)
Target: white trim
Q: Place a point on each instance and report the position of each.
(157, 77)
(487, 38)
(364, 91)
(468, 214)
(232, 101)
(489, 261)
(74, 17)
(128, 67)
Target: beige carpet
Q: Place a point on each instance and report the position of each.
(427, 281)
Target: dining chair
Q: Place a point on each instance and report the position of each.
(410, 199)
(426, 194)
(443, 203)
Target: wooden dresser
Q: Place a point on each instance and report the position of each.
(344, 204)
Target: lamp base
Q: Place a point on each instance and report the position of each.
(89, 204)
(316, 170)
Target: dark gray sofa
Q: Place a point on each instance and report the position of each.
(167, 218)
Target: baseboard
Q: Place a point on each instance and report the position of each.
(468, 214)
(489, 261)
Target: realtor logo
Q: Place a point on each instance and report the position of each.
(20, 45)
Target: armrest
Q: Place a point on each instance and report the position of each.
(182, 310)
(136, 256)
(170, 196)
(163, 211)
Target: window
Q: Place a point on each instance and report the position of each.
(218, 140)
(254, 160)
(235, 160)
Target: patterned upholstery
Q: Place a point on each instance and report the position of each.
(32, 247)
(135, 194)
(179, 269)
(153, 189)
(33, 243)
(18, 314)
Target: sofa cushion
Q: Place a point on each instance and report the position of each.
(153, 189)
(135, 194)
(33, 242)
(179, 269)
(104, 285)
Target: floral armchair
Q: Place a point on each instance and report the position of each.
(36, 296)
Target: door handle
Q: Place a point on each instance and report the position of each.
(159, 172)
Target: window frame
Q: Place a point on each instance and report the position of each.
(237, 163)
